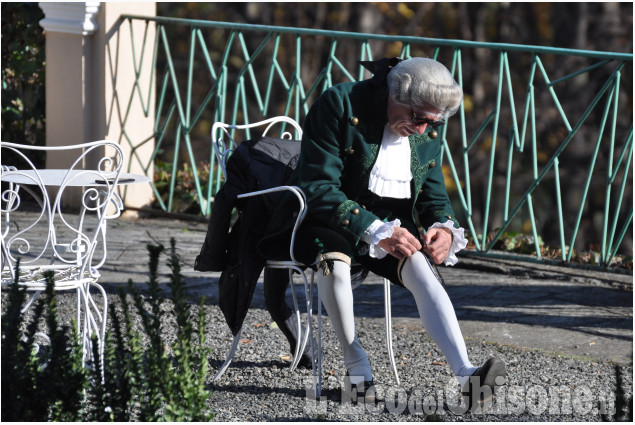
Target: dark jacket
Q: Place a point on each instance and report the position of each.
(341, 138)
(255, 165)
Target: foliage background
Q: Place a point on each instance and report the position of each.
(23, 76)
(603, 26)
(587, 26)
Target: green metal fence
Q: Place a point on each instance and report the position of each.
(539, 152)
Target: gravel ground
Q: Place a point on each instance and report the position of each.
(258, 385)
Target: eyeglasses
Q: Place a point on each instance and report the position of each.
(414, 119)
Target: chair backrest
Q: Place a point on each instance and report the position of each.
(223, 149)
(37, 225)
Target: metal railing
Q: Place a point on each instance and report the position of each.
(513, 154)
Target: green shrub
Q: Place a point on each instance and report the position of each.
(185, 195)
(23, 76)
(38, 385)
(139, 383)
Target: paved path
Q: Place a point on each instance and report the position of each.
(556, 309)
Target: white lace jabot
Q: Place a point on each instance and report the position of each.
(391, 173)
(390, 177)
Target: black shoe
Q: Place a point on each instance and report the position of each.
(365, 391)
(479, 390)
(305, 359)
(289, 329)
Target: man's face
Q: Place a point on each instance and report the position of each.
(400, 116)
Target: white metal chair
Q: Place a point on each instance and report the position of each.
(71, 244)
(222, 152)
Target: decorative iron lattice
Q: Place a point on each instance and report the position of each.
(512, 154)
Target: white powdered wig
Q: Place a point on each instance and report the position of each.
(424, 82)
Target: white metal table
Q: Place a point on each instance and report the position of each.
(76, 178)
(66, 242)
(95, 181)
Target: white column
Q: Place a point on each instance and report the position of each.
(70, 17)
(89, 77)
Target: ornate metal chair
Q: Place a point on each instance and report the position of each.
(222, 151)
(40, 230)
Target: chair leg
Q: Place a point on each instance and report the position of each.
(230, 356)
(83, 323)
(316, 364)
(308, 335)
(100, 327)
(91, 320)
(300, 342)
(28, 304)
(388, 314)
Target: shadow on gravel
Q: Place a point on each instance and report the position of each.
(216, 364)
(593, 310)
(258, 389)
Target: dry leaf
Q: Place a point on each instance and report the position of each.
(259, 325)
(438, 363)
(245, 341)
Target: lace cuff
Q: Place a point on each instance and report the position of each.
(458, 241)
(375, 233)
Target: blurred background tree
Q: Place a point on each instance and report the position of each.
(586, 26)
(23, 65)
(602, 26)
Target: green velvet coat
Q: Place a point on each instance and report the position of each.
(342, 134)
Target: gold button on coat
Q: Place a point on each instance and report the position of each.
(356, 211)
(433, 134)
(354, 120)
(350, 151)
(433, 164)
(346, 222)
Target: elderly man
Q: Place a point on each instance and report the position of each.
(370, 169)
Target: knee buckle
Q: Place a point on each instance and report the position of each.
(400, 265)
(325, 261)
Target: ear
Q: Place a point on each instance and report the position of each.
(401, 84)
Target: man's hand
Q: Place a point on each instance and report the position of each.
(401, 244)
(437, 244)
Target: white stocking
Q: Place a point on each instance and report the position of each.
(437, 314)
(337, 296)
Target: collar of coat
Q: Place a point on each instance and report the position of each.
(375, 113)
(380, 69)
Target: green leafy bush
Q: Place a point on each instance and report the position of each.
(23, 75)
(143, 380)
(518, 242)
(521, 243)
(39, 385)
(186, 198)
